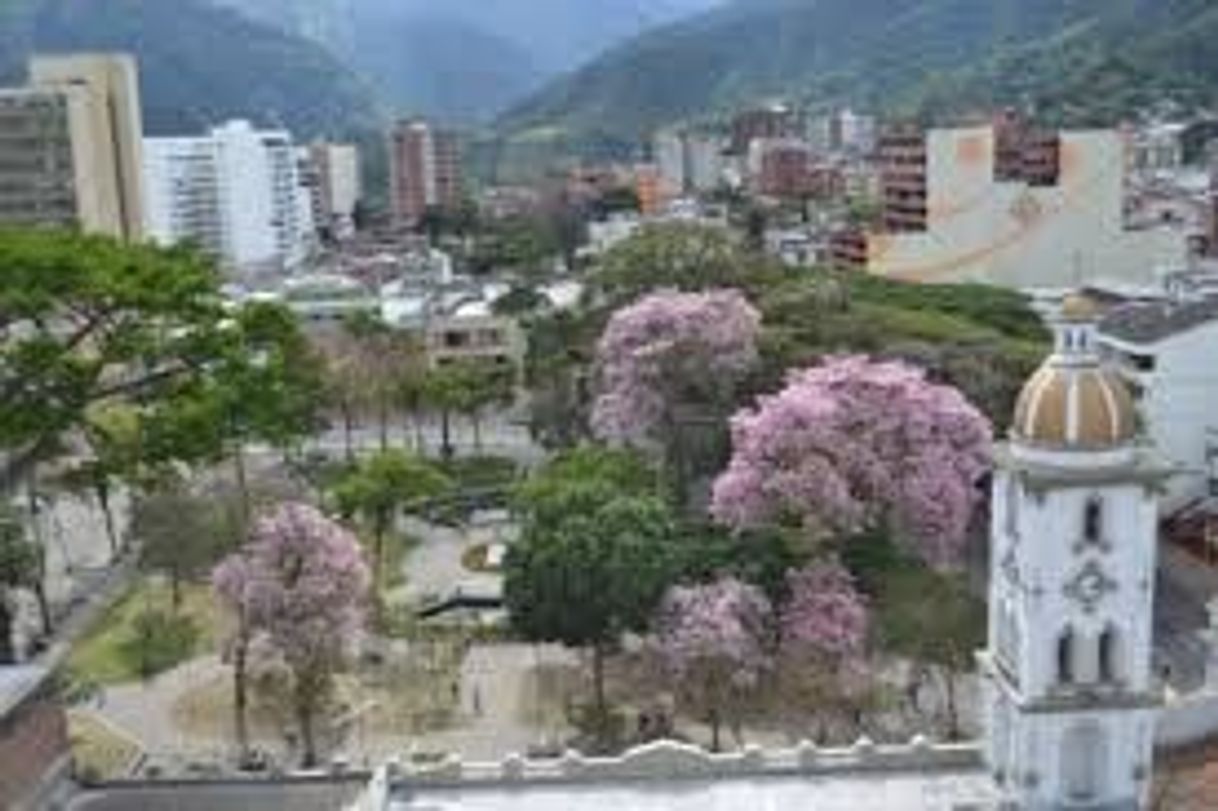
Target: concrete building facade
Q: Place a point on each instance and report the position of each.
(70, 146)
(975, 205)
(1167, 352)
(689, 163)
(339, 186)
(236, 191)
(425, 170)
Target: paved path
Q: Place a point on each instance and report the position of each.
(433, 568)
(500, 703)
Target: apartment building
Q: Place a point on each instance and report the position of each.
(425, 170)
(339, 187)
(1166, 350)
(236, 191)
(70, 146)
(1008, 205)
(774, 121)
(689, 163)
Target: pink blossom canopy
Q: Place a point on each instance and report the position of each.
(664, 347)
(852, 442)
(301, 580)
(721, 625)
(824, 614)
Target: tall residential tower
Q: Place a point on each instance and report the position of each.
(425, 171)
(71, 146)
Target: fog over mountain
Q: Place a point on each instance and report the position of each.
(465, 60)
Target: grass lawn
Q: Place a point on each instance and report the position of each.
(101, 751)
(103, 656)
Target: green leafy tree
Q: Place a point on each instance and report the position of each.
(92, 322)
(115, 461)
(907, 599)
(380, 487)
(449, 390)
(679, 256)
(595, 467)
(266, 386)
(593, 560)
(484, 386)
(557, 377)
(19, 568)
(180, 535)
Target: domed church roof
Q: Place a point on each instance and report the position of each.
(1073, 402)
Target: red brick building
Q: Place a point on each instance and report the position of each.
(766, 123)
(425, 171)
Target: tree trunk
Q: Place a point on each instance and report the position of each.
(383, 427)
(477, 423)
(418, 435)
(304, 718)
(348, 431)
(240, 697)
(953, 712)
(175, 588)
(8, 655)
(102, 492)
(716, 724)
(446, 445)
(39, 584)
(378, 552)
(243, 488)
(598, 682)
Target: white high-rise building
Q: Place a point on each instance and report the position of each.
(236, 191)
(335, 173)
(1070, 697)
(689, 163)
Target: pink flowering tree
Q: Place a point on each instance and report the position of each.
(854, 444)
(667, 356)
(823, 630)
(824, 615)
(713, 642)
(298, 587)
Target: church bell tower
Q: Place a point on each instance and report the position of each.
(1070, 697)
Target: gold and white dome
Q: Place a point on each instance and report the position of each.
(1074, 403)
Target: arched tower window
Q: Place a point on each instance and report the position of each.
(1093, 520)
(1065, 657)
(1109, 655)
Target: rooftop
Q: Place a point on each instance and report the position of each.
(672, 776)
(1152, 322)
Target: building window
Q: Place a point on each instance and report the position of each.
(1065, 657)
(1093, 520)
(1109, 655)
(1143, 363)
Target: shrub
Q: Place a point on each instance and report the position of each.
(158, 641)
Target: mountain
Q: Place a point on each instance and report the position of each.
(329, 23)
(912, 56)
(464, 60)
(443, 67)
(200, 64)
